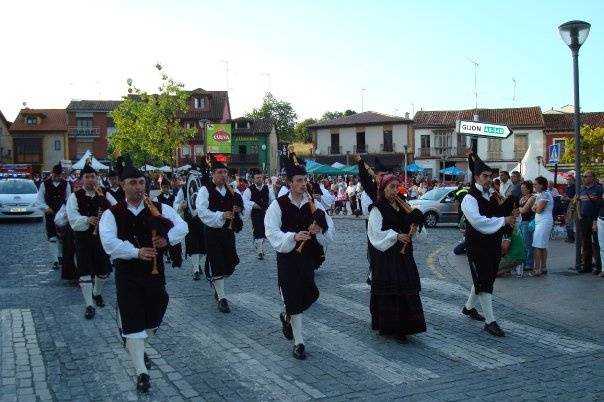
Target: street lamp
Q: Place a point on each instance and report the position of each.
(574, 34)
(204, 123)
(405, 147)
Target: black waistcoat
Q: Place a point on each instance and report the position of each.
(55, 196)
(218, 202)
(294, 219)
(166, 200)
(490, 209)
(91, 206)
(260, 197)
(118, 194)
(394, 220)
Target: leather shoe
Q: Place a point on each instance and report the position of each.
(223, 306)
(494, 329)
(286, 327)
(147, 360)
(299, 352)
(143, 383)
(473, 314)
(196, 276)
(98, 300)
(90, 312)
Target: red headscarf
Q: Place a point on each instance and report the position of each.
(383, 183)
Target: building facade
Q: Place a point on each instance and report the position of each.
(6, 142)
(39, 138)
(560, 127)
(438, 146)
(369, 134)
(89, 127)
(254, 144)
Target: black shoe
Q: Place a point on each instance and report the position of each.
(473, 314)
(60, 261)
(494, 329)
(147, 360)
(299, 352)
(98, 300)
(261, 256)
(223, 306)
(143, 383)
(584, 271)
(196, 276)
(55, 265)
(286, 327)
(90, 312)
(596, 271)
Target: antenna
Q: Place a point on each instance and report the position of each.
(514, 97)
(475, 82)
(362, 99)
(226, 72)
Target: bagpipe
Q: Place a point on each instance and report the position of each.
(160, 226)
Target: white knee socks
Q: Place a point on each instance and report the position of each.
(59, 249)
(54, 251)
(136, 348)
(98, 285)
(486, 301)
(219, 288)
(472, 299)
(86, 286)
(296, 321)
(195, 258)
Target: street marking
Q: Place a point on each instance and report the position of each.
(455, 348)
(449, 288)
(340, 344)
(563, 343)
(430, 262)
(213, 342)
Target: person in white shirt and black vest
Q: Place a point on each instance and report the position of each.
(257, 198)
(219, 207)
(114, 188)
(299, 229)
(167, 197)
(136, 233)
(84, 209)
(486, 224)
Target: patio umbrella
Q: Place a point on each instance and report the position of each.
(414, 168)
(452, 171)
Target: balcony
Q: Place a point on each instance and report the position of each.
(360, 149)
(334, 150)
(244, 158)
(494, 155)
(387, 148)
(88, 132)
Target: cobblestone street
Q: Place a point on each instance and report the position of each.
(50, 352)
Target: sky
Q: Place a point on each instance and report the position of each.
(387, 56)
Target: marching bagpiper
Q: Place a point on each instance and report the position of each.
(167, 197)
(257, 198)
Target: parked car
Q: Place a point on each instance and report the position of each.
(17, 200)
(437, 205)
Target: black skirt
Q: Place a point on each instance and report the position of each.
(90, 256)
(221, 251)
(68, 267)
(258, 223)
(194, 240)
(397, 315)
(296, 278)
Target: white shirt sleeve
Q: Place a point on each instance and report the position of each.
(248, 204)
(78, 222)
(271, 195)
(328, 237)
(213, 219)
(67, 191)
(115, 247)
(380, 239)
(282, 191)
(180, 229)
(40, 201)
(110, 198)
(469, 207)
(180, 197)
(281, 241)
(366, 201)
(326, 198)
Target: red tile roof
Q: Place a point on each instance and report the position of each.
(524, 117)
(566, 122)
(51, 120)
(219, 100)
(368, 118)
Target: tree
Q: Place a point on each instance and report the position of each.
(301, 133)
(280, 112)
(592, 143)
(148, 127)
(336, 114)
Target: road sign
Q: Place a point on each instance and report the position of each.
(554, 153)
(481, 129)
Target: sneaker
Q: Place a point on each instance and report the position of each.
(472, 313)
(494, 329)
(90, 312)
(98, 300)
(196, 276)
(299, 352)
(143, 383)
(223, 306)
(286, 327)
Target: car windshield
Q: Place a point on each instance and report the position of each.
(17, 187)
(435, 194)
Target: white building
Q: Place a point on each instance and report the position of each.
(369, 134)
(438, 146)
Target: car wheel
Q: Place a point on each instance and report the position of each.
(431, 219)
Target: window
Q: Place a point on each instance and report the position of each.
(198, 149)
(520, 145)
(388, 141)
(334, 149)
(494, 149)
(28, 150)
(57, 145)
(461, 144)
(442, 141)
(242, 124)
(110, 122)
(361, 146)
(242, 150)
(562, 142)
(474, 144)
(425, 141)
(185, 151)
(31, 120)
(84, 122)
(253, 149)
(189, 124)
(200, 102)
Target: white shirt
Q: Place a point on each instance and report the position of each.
(247, 199)
(327, 199)
(505, 189)
(78, 222)
(214, 219)
(469, 207)
(123, 249)
(366, 201)
(284, 242)
(384, 239)
(41, 202)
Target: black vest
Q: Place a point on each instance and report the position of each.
(393, 219)
(260, 197)
(219, 203)
(55, 196)
(169, 200)
(118, 194)
(490, 209)
(294, 219)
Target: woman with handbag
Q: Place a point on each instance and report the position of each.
(526, 204)
(544, 222)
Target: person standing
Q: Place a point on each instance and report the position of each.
(515, 190)
(167, 197)
(257, 198)
(544, 223)
(52, 194)
(505, 188)
(484, 232)
(590, 198)
(395, 306)
(219, 206)
(114, 187)
(570, 206)
(299, 230)
(84, 209)
(526, 212)
(135, 233)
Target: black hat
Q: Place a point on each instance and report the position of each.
(379, 166)
(58, 169)
(88, 168)
(255, 171)
(126, 169)
(112, 173)
(216, 164)
(294, 166)
(416, 217)
(477, 166)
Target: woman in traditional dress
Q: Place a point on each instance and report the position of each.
(396, 308)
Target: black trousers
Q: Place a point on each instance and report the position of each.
(590, 248)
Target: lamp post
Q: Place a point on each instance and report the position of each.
(574, 34)
(405, 147)
(203, 124)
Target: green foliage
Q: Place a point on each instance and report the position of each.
(301, 132)
(148, 127)
(336, 114)
(280, 112)
(592, 143)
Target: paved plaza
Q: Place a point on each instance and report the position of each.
(48, 351)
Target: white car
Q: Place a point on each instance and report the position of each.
(17, 200)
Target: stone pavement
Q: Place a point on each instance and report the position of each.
(50, 352)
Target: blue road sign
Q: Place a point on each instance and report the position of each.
(554, 153)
